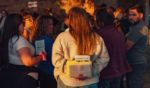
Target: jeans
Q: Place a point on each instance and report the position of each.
(110, 83)
(135, 77)
(60, 84)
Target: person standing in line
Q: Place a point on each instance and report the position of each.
(136, 45)
(17, 56)
(115, 43)
(44, 26)
(78, 39)
(121, 20)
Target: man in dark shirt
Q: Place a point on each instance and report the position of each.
(136, 45)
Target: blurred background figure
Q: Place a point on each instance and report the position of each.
(121, 20)
(111, 76)
(111, 9)
(89, 6)
(3, 15)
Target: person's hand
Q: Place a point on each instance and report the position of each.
(43, 56)
(81, 77)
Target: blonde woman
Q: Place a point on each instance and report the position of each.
(78, 39)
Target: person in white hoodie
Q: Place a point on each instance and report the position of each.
(78, 39)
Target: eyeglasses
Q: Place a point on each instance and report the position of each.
(132, 14)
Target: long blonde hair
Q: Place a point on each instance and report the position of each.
(80, 29)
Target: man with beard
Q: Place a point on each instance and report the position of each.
(136, 45)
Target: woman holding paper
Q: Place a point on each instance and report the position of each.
(44, 33)
(78, 39)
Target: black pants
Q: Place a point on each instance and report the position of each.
(15, 76)
(46, 80)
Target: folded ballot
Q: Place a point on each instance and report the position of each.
(80, 65)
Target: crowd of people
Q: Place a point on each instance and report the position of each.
(114, 39)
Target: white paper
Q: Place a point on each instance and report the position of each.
(79, 58)
(39, 46)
